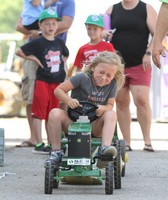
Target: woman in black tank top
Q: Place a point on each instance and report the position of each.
(134, 21)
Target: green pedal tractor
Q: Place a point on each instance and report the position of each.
(80, 158)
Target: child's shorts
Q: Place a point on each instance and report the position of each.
(137, 76)
(28, 81)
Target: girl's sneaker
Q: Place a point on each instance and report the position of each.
(55, 158)
(105, 150)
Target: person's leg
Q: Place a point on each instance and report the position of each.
(53, 102)
(32, 138)
(46, 128)
(123, 114)
(141, 100)
(27, 90)
(104, 127)
(58, 121)
(39, 113)
(140, 88)
(37, 126)
(37, 130)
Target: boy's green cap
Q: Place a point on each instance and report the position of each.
(48, 14)
(95, 20)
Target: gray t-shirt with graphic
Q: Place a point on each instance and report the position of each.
(85, 90)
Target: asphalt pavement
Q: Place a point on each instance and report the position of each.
(22, 175)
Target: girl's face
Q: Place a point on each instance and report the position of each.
(103, 74)
(94, 32)
(48, 27)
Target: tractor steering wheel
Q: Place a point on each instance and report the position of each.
(87, 109)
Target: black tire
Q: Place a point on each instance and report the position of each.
(123, 152)
(109, 178)
(49, 178)
(117, 166)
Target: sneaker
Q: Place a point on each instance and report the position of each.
(55, 158)
(103, 150)
(42, 149)
(48, 148)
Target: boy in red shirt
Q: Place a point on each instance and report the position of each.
(95, 27)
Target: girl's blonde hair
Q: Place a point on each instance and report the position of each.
(109, 58)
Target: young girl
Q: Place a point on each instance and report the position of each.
(98, 83)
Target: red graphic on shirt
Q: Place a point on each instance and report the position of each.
(89, 56)
(53, 57)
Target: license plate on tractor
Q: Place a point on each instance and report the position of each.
(78, 161)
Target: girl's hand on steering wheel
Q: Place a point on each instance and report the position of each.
(100, 110)
(74, 103)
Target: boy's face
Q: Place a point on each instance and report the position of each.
(94, 32)
(48, 26)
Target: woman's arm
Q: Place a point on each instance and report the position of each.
(109, 10)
